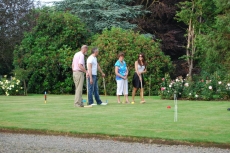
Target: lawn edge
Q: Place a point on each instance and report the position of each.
(129, 139)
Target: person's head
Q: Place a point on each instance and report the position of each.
(141, 59)
(84, 49)
(121, 56)
(95, 51)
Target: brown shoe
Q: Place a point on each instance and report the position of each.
(77, 105)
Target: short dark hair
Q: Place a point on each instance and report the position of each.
(120, 54)
(94, 50)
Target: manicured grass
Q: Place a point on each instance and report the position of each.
(198, 121)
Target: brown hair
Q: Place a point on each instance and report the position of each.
(143, 60)
(120, 54)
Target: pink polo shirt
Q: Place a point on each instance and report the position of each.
(78, 58)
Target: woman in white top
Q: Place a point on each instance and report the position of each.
(138, 80)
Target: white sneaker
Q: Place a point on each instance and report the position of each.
(104, 103)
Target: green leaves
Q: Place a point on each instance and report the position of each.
(213, 45)
(102, 14)
(46, 52)
(208, 33)
(116, 40)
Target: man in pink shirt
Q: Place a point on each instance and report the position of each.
(78, 67)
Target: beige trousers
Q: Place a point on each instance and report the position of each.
(78, 78)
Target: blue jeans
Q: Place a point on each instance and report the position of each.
(93, 90)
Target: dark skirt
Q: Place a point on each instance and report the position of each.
(136, 81)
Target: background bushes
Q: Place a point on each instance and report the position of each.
(215, 86)
(116, 40)
(43, 59)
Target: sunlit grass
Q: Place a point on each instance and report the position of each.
(198, 121)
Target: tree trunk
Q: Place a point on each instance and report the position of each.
(190, 50)
(25, 88)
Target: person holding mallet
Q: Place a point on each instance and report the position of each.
(93, 66)
(121, 72)
(138, 79)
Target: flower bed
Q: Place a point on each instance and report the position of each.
(193, 90)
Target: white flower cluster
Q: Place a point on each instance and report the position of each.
(186, 84)
(10, 85)
(202, 89)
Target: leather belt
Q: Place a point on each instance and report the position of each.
(78, 71)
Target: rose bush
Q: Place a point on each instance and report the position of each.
(210, 89)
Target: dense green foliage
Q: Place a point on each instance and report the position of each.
(204, 87)
(45, 54)
(208, 36)
(193, 13)
(42, 60)
(102, 14)
(210, 20)
(214, 45)
(116, 40)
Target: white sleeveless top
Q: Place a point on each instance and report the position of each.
(140, 68)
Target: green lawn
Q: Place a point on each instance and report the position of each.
(198, 121)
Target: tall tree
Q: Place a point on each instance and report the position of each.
(214, 44)
(101, 14)
(13, 22)
(160, 23)
(45, 54)
(198, 15)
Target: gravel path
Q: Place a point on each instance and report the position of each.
(23, 143)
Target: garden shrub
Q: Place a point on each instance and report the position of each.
(46, 52)
(116, 40)
(205, 87)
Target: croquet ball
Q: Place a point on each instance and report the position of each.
(83, 100)
(132, 102)
(168, 107)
